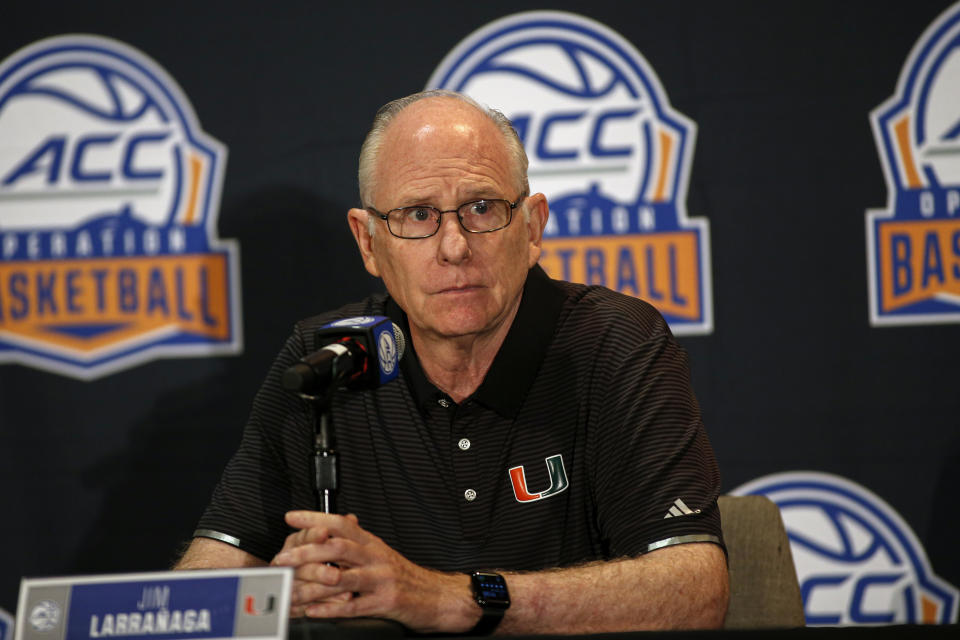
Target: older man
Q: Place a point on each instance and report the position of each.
(541, 431)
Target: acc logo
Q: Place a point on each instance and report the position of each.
(45, 615)
(109, 193)
(359, 321)
(387, 352)
(611, 155)
(913, 246)
(857, 561)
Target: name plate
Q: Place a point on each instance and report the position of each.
(248, 604)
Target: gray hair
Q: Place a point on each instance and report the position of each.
(370, 150)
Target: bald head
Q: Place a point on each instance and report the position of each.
(426, 113)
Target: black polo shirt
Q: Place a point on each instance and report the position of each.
(583, 442)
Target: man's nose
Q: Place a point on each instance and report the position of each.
(454, 247)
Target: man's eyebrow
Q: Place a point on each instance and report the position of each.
(480, 193)
(414, 202)
(410, 200)
(484, 193)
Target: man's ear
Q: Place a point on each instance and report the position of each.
(539, 212)
(361, 233)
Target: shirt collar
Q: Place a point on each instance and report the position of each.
(516, 364)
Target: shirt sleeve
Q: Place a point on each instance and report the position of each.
(269, 474)
(655, 475)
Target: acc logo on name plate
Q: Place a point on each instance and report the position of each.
(913, 246)
(109, 194)
(857, 561)
(611, 155)
(45, 615)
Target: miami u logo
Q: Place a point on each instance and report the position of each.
(250, 606)
(558, 481)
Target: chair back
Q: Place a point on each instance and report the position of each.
(764, 592)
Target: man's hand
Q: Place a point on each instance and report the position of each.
(344, 571)
(684, 586)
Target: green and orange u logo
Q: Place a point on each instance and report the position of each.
(558, 481)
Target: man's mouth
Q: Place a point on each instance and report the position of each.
(463, 288)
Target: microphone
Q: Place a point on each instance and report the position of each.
(361, 353)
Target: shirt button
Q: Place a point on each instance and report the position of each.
(443, 402)
(470, 495)
(464, 444)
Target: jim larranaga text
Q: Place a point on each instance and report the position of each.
(149, 622)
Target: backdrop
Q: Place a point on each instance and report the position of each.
(111, 473)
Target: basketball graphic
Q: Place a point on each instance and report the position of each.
(109, 192)
(605, 147)
(857, 561)
(912, 244)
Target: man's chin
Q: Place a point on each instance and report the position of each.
(462, 330)
(459, 325)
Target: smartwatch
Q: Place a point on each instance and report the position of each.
(490, 592)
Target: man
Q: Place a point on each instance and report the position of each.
(512, 382)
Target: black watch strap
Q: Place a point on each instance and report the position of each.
(493, 598)
(489, 620)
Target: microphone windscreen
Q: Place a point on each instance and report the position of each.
(399, 338)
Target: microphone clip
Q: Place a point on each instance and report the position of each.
(356, 353)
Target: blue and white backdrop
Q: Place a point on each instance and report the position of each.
(782, 180)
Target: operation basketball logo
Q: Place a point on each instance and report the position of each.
(857, 561)
(605, 147)
(913, 246)
(109, 195)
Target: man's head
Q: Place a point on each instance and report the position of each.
(370, 150)
(443, 150)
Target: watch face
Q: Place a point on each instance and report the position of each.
(491, 590)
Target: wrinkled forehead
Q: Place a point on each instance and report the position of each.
(441, 130)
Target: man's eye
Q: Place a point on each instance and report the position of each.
(418, 214)
(479, 208)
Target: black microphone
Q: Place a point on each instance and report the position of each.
(361, 353)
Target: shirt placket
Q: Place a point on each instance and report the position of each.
(462, 447)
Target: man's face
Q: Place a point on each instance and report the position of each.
(442, 152)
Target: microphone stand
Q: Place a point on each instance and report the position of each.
(302, 379)
(325, 472)
(344, 358)
(325, 484)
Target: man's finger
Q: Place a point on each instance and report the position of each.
(300, 610)
(359, 580)
(336, 550)
(305, 593)
(336, 525)
(351, 608)
(313, 535)
(303, 519)
(304, 537)
(323, 573)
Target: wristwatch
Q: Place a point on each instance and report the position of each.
(490, 592)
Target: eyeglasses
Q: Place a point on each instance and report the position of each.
(422, 221)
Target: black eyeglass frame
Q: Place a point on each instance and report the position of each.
(386, 216)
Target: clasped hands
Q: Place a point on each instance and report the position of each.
(343, 571)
